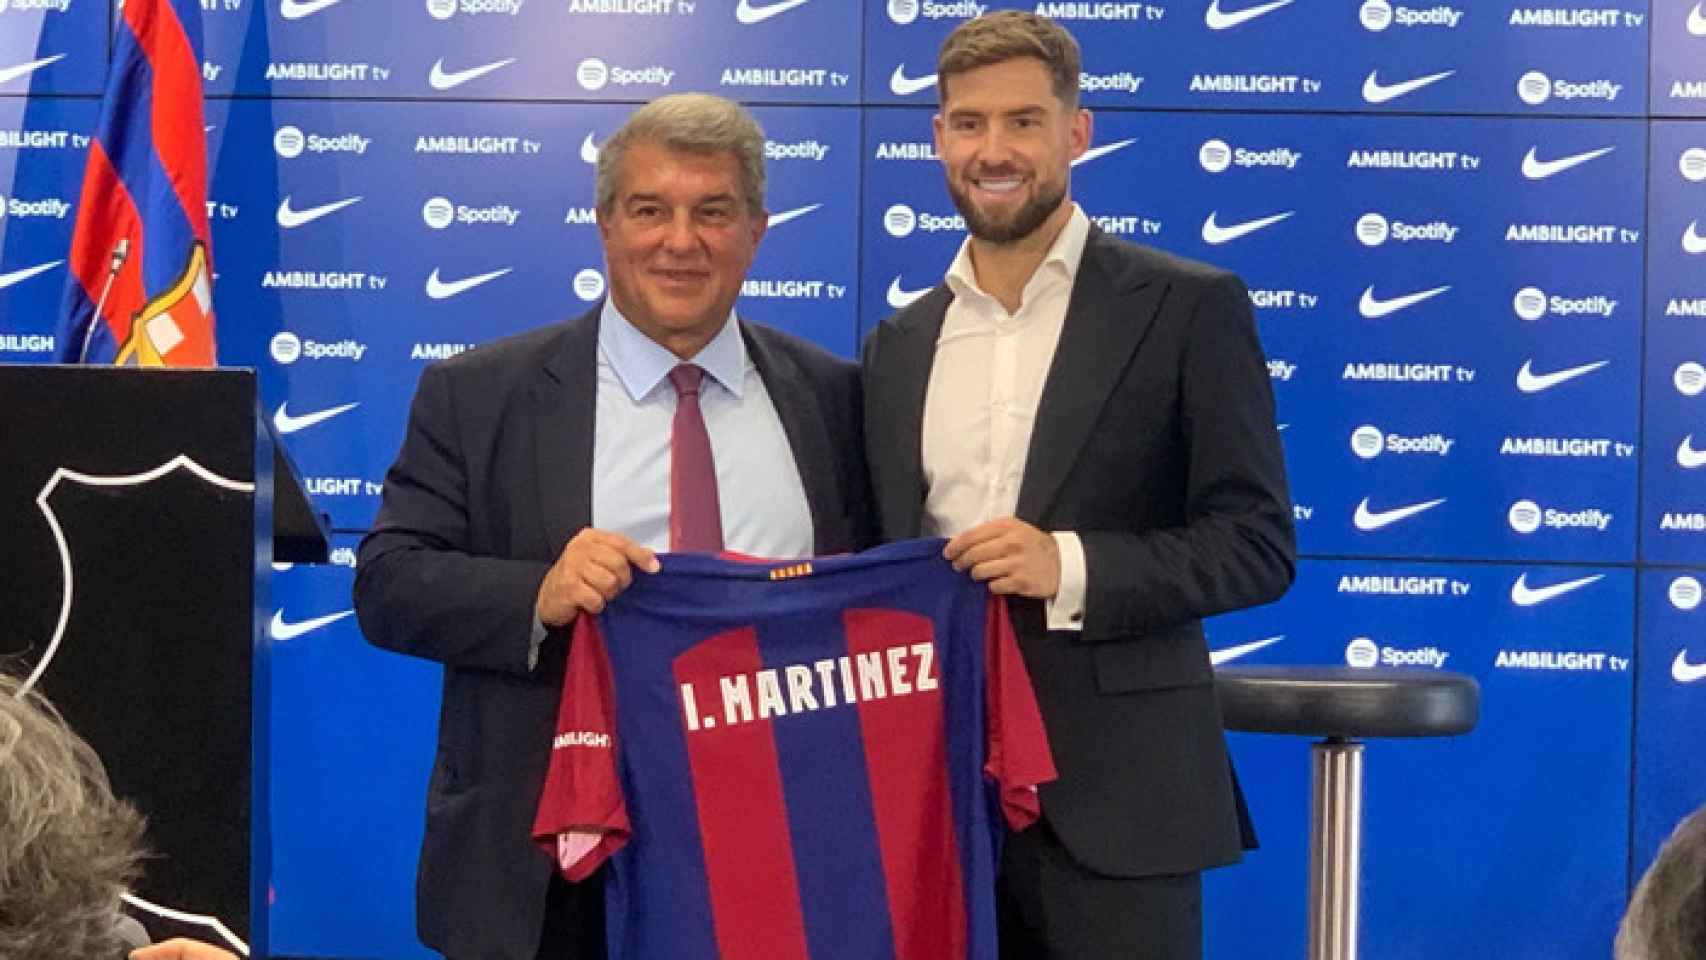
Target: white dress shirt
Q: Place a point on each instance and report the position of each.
(981, 404)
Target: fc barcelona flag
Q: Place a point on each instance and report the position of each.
(140, 249)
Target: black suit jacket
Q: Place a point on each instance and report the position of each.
(1155, 441)
(493, 479)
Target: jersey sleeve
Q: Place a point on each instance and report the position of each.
(582, 818)
(1018, 757)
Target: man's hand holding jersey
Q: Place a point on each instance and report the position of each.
(594, 567)
(1010, 555)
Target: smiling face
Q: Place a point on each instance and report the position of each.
(678, 240)
(1007, 143)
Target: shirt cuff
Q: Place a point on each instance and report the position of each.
(536, 643)
(1066, 610)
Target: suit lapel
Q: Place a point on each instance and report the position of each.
(564, 420)
(796, 403)
(906, 360)
(1113, 304)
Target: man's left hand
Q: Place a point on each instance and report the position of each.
(1011, 556)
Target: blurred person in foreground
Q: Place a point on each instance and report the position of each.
(69, 849)
(1666, 919)
(1091, 422)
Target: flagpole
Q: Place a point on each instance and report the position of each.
(121, 253)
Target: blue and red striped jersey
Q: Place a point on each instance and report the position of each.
(805, 759)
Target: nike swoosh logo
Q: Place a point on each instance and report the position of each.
(1374, 91)
(1524, 595)
(19, 276)
(297, 9)
(25, 69)
(1367, 520)
(1373, 308)
(1216, 234)
(1535, 168)
(290, 219)
(748, 14)
(288, 424)
(589, 150)
(1102, 151)
(1218, 19)
(1684, 672)
(1692, 241)
(1687, 457)
(903, 86)
(899, 298)
(1697, 21)
(1530, 382)
(794, 214)
(1229, 654)
(281, 630)
(445, 289)
(442, 79)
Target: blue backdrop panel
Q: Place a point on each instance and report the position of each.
(1674, 524)
(1670, 780)
(1468, 840)
(526, 49)
(1503, 57)
(53, 46)
(1409, 274)
(1678, 58)
(1456, 310)
(357, 242)
(352, 750)
(42, 146)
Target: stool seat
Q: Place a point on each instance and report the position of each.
(1347, 703)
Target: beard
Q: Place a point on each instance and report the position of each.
(1023, 222)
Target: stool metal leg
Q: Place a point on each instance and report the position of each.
(1335, 848)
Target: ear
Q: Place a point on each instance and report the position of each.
(760, 224)
(1080, 132)
(936, 133)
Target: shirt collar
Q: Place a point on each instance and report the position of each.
(642, 363)
(1062, 259)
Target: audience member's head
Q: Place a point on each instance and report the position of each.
(68, 847)
(1667, 915)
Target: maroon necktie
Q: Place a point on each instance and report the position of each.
(695, 523)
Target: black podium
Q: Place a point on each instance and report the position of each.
(142, 511)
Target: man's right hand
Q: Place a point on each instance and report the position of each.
(595, 567)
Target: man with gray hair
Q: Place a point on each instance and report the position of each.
(540, 472)
(1666, 919)
(69, 848)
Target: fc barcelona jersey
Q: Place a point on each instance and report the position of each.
(807, 759)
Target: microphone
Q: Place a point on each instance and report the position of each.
(130, 934)
(121, 253)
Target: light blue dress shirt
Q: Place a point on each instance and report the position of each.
(762, 501)
(759, 494)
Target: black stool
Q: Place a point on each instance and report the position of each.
(1344, 706)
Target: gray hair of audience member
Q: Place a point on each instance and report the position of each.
(68, 847)
(1666, 919)
(690, 123)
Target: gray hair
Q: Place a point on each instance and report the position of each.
(1666, 919)
(68, 847)
(692, 123)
